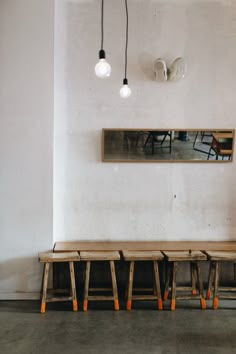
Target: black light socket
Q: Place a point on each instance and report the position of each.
(102, 54)
(125, 81)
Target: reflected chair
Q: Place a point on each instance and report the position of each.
(153, 138)
(141, 135)
(205, 139)
(221, 145)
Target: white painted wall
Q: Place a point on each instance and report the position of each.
(94, 200)
(26, 143)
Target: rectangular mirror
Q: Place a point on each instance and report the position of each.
(174, 145)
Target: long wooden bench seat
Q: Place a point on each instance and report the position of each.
(70, 246)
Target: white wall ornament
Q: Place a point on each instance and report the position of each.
(175, 72)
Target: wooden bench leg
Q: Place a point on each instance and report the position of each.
(114, 285)
(216, 286)
(200, 285)
(73, 286)
(173, 292)
(167, 281)
(211, 276)
(130, 286)
(86, 285)
(157, 285)
(193, 280)
(45, 285)
(154, 285)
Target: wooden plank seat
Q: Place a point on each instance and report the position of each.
(101, 245)
(215, 258)
(194, 258)
(91, 256)
(50, 258)
(132, 257)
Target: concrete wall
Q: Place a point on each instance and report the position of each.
(26, 143)
(94, 200)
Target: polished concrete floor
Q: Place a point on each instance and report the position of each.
(23, 330)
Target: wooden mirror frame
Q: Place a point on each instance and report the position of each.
(222, 153)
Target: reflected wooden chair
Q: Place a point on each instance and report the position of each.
(205, 138)
(173, 258)
(50, 258)
(153, 139)
(221, 145)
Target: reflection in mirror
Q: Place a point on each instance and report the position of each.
(149, 145)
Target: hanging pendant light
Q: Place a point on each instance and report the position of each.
(125, 91)
(102, 68)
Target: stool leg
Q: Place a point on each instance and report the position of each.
(193, 280)
(200, 285)
(173, 292)
(114, 285)
(45, 285)
(157, 285)
(130, 286)
(154, 285)
(216, 285)
(167, 282)
(234, 270)
(86, 286)
(73, 287)
(55, 279)
(210, 279)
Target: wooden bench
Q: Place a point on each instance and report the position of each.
(226, 246)
(100, 256)
(215, 259)
(194, 258)
(50, 258)
(70, 246)
(154, 257)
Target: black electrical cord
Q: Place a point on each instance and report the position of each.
(102, 10)
(126, 45)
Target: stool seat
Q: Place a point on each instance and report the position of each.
(136, 256)
(215, 258)
(194, 258)
(48, 258)
(51, 257)
(142, 255)
(221, 256)
(99, 256)
(90, 256)
(185, 256)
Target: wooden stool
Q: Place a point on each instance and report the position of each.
(100, 256)
(132, 257)
(215, 258)
(173, 257)
(50, 258)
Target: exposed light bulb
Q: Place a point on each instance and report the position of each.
(102, 68)
(125, 91)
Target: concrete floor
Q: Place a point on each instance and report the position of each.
(23, 330)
